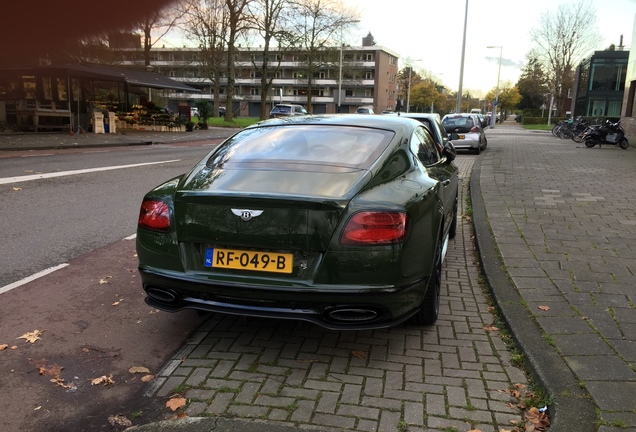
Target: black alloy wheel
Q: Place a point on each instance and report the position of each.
(429, 310)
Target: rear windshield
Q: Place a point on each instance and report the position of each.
(459, 122)
(282, 109)
(326, 145)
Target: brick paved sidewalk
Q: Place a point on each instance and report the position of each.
(563, 218)
(450, 376)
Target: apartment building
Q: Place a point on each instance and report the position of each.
(342, 80)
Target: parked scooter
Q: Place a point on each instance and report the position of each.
(610, 133)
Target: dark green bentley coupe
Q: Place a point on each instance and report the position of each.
(340, 220)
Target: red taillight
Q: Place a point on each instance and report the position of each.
(370, 228)
(154, 215)
(475, 129)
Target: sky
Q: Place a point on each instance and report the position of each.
(429, 34)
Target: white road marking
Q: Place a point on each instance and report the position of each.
(33, 277)
(42, 273)
(9, 180)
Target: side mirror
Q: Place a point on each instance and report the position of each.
(450, 152)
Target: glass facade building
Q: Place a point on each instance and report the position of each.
(601, 84)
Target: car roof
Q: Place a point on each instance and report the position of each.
(396, 123)
(421, 115)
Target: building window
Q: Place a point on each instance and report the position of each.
(255, 91)
(608, 74)
(368, 75)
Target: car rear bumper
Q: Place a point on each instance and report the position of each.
(344, 308)
(466, 144)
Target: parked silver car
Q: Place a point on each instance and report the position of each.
(287, 110)
(471, 135)
(365, 110)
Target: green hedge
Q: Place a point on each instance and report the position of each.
(540, 120)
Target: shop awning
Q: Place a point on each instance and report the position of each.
(137, 80)
(132, 77)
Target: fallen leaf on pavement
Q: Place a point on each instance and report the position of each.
(491, 328)
(138, 369)
(359, 354)
(4, 347)
(31, 336)
(176, 403)
(17, 189)
(544, 308)
(104, 280)
(147, 378)
(53, 370)
(539, 421)
(119, 420)
(106, 380)
(59, 381)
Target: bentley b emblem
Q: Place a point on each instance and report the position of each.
(246, 214)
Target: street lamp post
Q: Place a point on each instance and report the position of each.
(493, 117)
(458, 108)
(408, 94)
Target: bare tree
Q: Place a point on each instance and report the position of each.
(564, 39)
(316, 25)
(161, 21)
(267, 17)
(237, 24)
(206, 23)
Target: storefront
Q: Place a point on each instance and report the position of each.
(67, 97)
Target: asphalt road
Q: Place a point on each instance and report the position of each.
(88, 312)
(47, 222)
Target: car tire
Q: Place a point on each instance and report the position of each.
(452, 232)
(429, 310)
(478, 149)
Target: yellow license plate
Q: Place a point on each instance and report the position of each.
(249, 260)
(462, 136)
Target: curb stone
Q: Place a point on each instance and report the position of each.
(572, 408)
